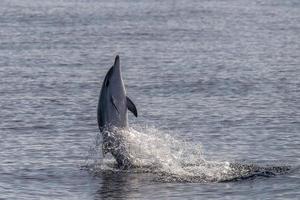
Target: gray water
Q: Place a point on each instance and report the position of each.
(223, 75)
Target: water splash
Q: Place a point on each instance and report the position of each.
(171, 159)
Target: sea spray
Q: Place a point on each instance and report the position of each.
(172, 160)
(158, 152)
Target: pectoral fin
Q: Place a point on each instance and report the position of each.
(114, 103)
(131, 107)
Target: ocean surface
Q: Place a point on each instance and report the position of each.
(216, 81)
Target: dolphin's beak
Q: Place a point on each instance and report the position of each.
(117, 62)
(117, 68)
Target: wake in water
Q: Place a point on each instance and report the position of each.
(172, 160)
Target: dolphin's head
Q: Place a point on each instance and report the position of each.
(113, 79)
(112, 108)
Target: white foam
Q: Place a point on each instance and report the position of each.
(159, 153)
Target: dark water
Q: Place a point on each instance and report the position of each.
(223, 74)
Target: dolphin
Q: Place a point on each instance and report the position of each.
(112, 115)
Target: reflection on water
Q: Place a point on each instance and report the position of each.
(115, 185)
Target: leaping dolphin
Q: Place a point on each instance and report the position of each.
(112, 115)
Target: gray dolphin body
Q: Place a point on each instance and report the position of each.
(112, 115)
